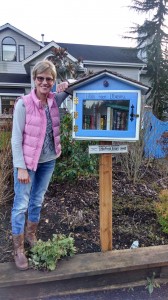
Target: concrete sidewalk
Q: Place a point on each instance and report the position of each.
(86, 273)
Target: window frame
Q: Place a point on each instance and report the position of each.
(10, 96)
(9, 44)
(19, 51)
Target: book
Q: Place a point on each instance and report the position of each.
(92, 122)
(114, 119)
(109, 118)
(98, 122)
(120, 119)
(123, 125)
(94, 116)
(103, 122)
(86, 122)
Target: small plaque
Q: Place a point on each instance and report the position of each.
(99, 149)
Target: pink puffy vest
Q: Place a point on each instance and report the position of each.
(35, 128)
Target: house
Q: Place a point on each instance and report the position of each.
(19, 53)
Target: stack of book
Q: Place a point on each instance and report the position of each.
(116, 118)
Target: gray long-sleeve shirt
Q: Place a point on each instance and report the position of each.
(19, 119)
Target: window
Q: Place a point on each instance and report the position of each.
(8, 49)
(106, 114)
(7, 104)
(21, 52)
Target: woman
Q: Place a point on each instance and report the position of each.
(35, 147)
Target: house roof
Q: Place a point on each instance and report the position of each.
(8, 80)
(7, 25)
(89, 53)
(100, 74)
(14, 78)
(12, 90)
(102, 53)
(93, 55)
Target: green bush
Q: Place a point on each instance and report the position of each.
(161, 208)
(44, 255)
(75, 160)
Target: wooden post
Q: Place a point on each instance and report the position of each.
(105, 200)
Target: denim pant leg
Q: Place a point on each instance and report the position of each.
(39, 187)
(20, 204)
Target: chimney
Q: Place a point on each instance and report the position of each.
(42, 36)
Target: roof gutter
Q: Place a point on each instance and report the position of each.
(102, 63)
(25, 85)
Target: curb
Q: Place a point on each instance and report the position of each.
(86, 272)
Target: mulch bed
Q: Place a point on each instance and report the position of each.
(73, 207)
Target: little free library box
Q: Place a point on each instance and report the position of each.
(106, 107)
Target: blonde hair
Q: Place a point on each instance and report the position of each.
(42, 66)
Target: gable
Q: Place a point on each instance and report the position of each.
(15, 30)
(28, 44)
(108, 78)
(116, 83)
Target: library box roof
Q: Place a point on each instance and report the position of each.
(115, 78)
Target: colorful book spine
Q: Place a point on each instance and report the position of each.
(120, 119)
(114, 119)
(109, 118)
(103, 122)
(98, 121)
(92, 123)
(86, 122)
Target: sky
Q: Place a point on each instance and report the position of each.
(91, 22)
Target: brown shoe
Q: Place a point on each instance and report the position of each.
(30, 234)
(19, 255)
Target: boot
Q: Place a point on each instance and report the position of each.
(19, 255)
(30, 235)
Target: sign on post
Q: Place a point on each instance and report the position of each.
(99, 149)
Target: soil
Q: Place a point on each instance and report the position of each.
(73, 207)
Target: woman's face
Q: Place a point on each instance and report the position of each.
(44, 83)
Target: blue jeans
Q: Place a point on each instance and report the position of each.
(29, 197)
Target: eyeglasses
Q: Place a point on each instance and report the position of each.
(41, 79)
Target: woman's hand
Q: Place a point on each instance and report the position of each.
(61, 87)
(23, 176)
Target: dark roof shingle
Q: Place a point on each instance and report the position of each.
(14, 78)
(102, 53)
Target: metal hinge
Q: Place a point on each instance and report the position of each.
(75, 114)
(75, 100)
(75, 128)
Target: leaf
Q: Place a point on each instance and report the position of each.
(150, 288)
(46, 254)
(52, 266)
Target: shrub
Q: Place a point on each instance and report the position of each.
(133, 161)
(75, 160)
(6, 165)
(136, 163)
(44, 255)
(162, 210)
